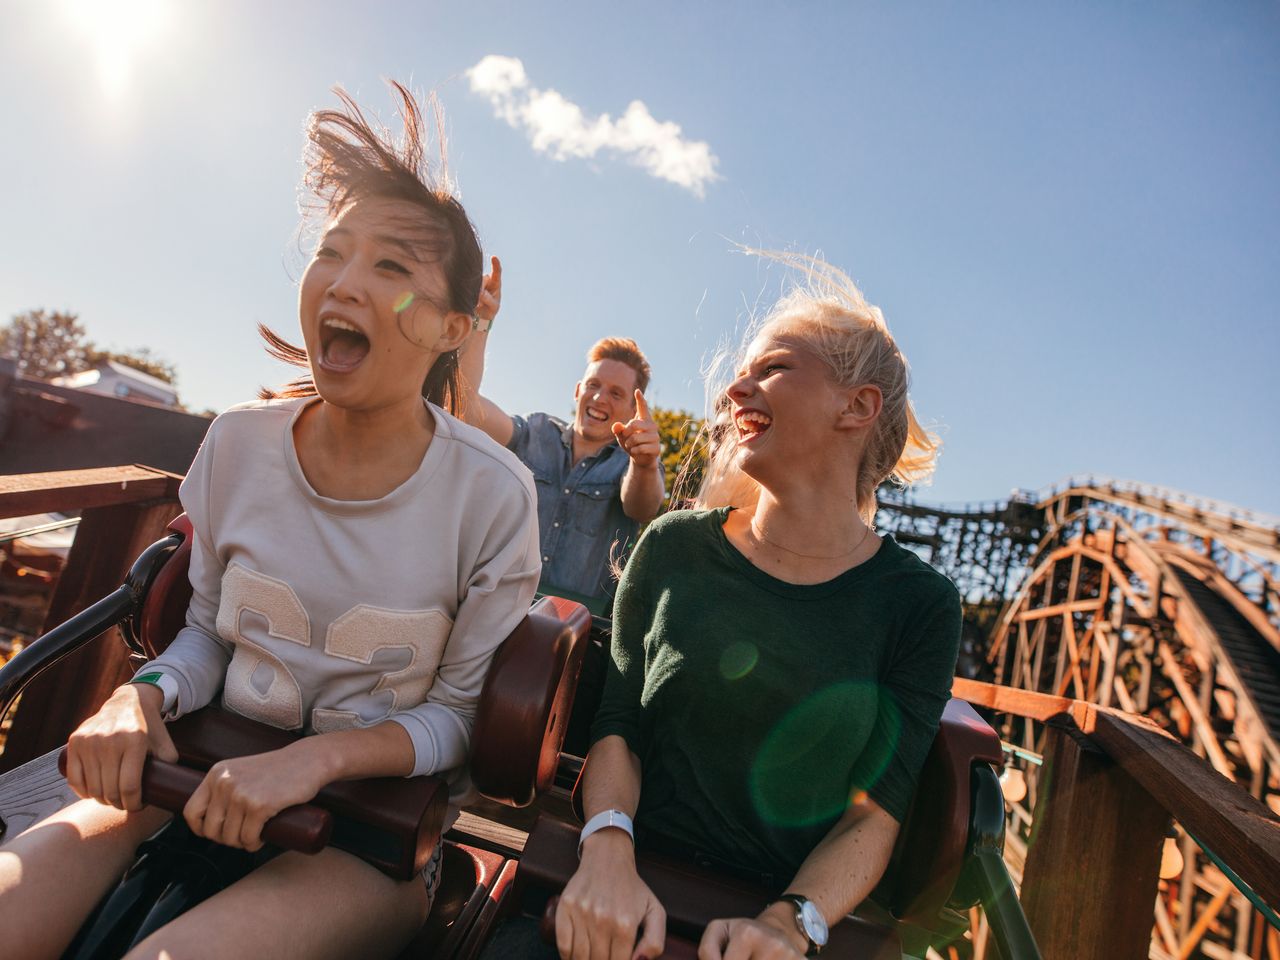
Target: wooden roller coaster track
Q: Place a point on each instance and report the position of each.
(1151, 601)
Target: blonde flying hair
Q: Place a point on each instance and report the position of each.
(826, 312)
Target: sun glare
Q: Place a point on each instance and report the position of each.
(118, 30)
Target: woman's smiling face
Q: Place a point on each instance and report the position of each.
(371, 305)
(784, 404)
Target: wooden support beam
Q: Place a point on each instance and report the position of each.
(1020, 703)
(1039, 640)
(1144, 651)
(1203, 727)
(1094, 816)
(1122, 695)
(1190, 880)
(1207, 916)
(107, 542)
(1064, 656)
(1059, 609)
(1090, 642)
(1106, 642)
(1022, 665)
(1073, 651)
(1168, 938)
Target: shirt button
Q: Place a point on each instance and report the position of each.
(546, 559)
(566, 489)
(556, 523)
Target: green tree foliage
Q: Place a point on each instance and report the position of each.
(50, 344)
(45, 344)
(679, 431)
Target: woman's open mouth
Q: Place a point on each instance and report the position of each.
(342, 346)
(751, 424)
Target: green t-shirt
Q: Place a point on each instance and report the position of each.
(760, 708)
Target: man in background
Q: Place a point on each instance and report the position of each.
(598, 477)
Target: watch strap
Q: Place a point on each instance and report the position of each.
(603, 820)
(799, 902)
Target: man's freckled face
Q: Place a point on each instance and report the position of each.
(604, 396)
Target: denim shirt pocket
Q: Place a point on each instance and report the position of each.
(590, 508)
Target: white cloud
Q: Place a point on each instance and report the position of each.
(558, 126)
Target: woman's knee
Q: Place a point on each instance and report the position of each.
(53, 873)
(83, 840)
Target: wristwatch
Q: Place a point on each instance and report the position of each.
(809, 921)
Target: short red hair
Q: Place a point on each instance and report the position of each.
(624, 350)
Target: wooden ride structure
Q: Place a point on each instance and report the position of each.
(1103, 786)
(1153, 602)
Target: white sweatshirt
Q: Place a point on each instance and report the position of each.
(317, 615)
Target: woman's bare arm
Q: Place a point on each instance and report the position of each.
(838, 874)
(606, 908)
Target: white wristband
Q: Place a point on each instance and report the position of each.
(603, 820)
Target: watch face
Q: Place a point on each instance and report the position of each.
(815, 925)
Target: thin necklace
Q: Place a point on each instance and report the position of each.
(866, 532)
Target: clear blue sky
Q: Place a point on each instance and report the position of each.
(1069, 213)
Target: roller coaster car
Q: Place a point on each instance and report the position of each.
(948, 856)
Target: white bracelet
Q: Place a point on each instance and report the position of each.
(603, 820)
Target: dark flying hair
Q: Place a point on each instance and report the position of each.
(347, 158)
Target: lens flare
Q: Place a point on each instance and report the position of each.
(738, 659)
(405, 301)
(825, 753)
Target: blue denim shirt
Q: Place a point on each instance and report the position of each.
(580, 516)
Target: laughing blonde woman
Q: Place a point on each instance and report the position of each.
(778, 668)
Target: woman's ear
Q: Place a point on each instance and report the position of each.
(862, 406)
(457, 326)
